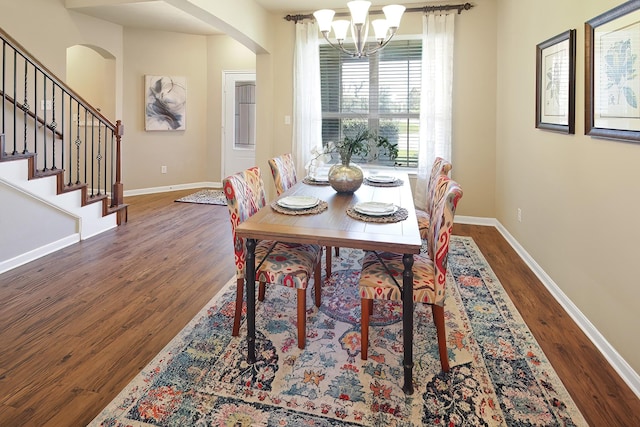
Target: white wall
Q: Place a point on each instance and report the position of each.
(28, 224)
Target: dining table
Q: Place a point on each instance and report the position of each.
(336, 225)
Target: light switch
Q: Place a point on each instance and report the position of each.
(287, 120)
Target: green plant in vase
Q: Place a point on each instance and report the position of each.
(360, 141)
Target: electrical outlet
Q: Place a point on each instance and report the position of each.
(519, 215)
(46, 105)
(163, 169)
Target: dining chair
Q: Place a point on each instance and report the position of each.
(288, 264)
(440, 167)
(380, 270)
(283, 171)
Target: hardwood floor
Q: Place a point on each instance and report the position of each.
(77, 325)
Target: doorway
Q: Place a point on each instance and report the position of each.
(239, 122)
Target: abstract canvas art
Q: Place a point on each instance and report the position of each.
(165, 102)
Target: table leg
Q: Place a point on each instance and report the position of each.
(407, 322)
(250, 277)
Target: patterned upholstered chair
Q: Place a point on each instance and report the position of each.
(288, 264)
(283, 171)
(440, 167)
(429, 270)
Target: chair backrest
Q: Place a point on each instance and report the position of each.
(440, 167)
(283, 171)
(447, 194)
(245, 195)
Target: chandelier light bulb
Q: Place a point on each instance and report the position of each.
(324, 18)
(380, 28)
(384, 29)
(340, 29)
(393, 14)
(359, 10)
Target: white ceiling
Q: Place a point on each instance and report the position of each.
(159, 15)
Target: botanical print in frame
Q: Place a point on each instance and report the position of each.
(165, 102)
(555, 83)
(612, 92)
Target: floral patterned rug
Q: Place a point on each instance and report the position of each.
(205, 197)
(499, 374)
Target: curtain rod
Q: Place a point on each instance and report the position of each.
(425, 9)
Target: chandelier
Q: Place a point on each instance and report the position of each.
(384, 29)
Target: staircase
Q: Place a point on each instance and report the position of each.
(56, 150)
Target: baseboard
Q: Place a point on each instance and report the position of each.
(38, 253)
(626, 372)
(153, 190)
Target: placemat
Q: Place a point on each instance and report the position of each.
(400, 215)
(310, 181)
(320, 207)
(397, 183)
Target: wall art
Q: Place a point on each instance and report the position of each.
(612, 77)
(165, 102)
(556, 83)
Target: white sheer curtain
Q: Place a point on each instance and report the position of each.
(307, 107)
(435, 104)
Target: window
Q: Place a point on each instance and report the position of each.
(245, 114)
(381, 92)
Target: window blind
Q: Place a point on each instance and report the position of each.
(381, 92)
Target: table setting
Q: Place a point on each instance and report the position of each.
(383, 181)
(299, 205)
(377, 212)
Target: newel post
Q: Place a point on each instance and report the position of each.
(117, 197)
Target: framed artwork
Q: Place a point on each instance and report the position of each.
(165, 102)
(612, 77)
(556, 83)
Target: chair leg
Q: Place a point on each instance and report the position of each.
(366, 309)
(328, 263)
(317, 279)
(239, 301)
(438, 319)
(261, 290)
(302, 318)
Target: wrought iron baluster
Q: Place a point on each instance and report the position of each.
(15, 91)
(99, 156)
(70, 169)
(53, 126)
(35, 102)
(44, 128)
(62, 140)
(93, 142)
(78, 144)
(25, 104)
(4, 89)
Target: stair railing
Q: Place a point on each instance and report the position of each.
(43, 119)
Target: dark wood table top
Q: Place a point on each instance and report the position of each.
(334, 227)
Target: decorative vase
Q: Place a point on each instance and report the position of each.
(345, 177)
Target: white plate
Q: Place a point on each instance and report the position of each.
(298, 202)
(375, 208)
(319, 178)
(381, 178)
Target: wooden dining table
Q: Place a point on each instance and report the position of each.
(333, 227)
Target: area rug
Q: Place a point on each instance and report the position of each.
(205, 197)
(499, 374)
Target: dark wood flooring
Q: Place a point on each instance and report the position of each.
(77, 325)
